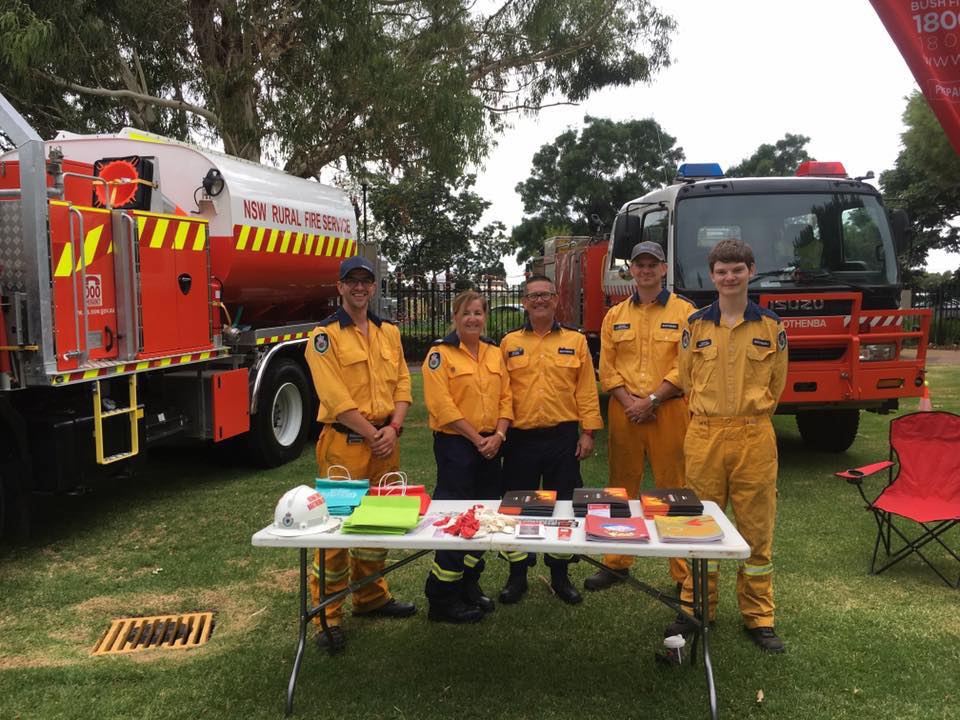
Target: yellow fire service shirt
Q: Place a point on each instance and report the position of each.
(551, 378)
(733, 372)
(351, 371)
(639, 343)
(458, 387)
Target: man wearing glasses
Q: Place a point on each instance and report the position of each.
(556, 411)
(362, 380)
(639, 344)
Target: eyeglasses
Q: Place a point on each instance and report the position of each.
(539, 296)
(355, 281)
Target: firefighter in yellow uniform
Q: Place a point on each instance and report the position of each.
(554, 392)
(639, 343)
(363, 383)
(467, 393)
(733, 367)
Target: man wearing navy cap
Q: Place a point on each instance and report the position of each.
(362, 380)
(647, 415)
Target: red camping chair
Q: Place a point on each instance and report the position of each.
(925, 490)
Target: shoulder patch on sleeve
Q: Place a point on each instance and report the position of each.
(433, 362)
(782, 340)
(321, 342)
(685, 339)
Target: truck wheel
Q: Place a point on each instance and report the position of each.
(829, 430)
(282, 421)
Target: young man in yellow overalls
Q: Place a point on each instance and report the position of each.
(363, 383)
(733, 367)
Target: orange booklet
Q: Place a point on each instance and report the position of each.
(697, 528)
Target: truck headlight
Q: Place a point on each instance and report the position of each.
(876, 352)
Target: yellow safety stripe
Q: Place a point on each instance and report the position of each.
(567, 556)
(513, 556)
(274, 240)
(713, 566)
(448, 576)
(368, 555)
(471, 560)
(755, 570)
(331, 576)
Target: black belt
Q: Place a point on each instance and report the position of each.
(540, 431)
(341, 428)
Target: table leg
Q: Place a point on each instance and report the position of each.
(702, 608)
(302, 642)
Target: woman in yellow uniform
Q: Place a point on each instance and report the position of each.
(467, 394)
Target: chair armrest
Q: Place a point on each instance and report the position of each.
(855, 476)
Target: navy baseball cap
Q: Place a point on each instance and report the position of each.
(357, 262)
(648, 248)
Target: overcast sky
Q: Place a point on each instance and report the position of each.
(746, 72)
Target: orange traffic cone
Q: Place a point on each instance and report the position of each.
(925, 404)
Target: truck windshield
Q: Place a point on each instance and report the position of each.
(797, 239)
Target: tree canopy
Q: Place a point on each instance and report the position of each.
(362, 84)
(926, 182)
(426, 226)
(588, 173)
(777, 160)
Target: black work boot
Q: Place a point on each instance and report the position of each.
(601, 580)
(516, 584)
(766, 639)
(455, 612)
(560, 582)
(473, 595)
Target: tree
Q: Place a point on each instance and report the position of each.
(926, 181)
(588, 173)
(356, 83)
(777, 160)
(426, 226)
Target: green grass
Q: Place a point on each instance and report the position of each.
(176, 537)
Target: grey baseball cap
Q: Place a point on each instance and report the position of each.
(357, 262)
(648, 248)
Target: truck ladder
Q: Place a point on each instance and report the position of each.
(99, 414)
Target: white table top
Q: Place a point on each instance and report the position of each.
(733, 546)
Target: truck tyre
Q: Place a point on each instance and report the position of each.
(283, 418)
(829, 430)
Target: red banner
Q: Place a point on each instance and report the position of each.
(927, 32)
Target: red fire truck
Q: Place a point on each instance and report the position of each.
(826, 249)
(152, 290)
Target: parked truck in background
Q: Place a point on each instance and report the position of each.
(826, 254)
(151, 290)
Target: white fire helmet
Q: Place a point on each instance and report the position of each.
(302, 511)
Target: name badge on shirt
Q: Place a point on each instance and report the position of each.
(567, 351)
(670, 326)
(621, 326)
(760, 342)
(515, 353)
(704, 343)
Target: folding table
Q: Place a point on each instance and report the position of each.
(426, 540)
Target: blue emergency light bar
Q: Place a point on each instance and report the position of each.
(699, 171)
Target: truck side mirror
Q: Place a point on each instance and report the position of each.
(626, 234)
(900, 224)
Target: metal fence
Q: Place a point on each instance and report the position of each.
(424, 312)
(944, 300)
